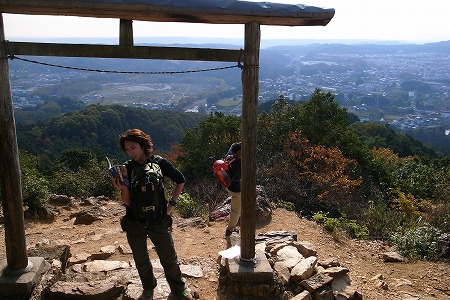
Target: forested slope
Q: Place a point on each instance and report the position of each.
(97, 127)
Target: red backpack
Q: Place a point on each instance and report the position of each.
(220, 169)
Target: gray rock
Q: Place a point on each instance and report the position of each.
(283, 272)
(92, 290)
(304, 269)
(79, 258)
(315, 282)
(290, 256)
(105, 252)
(305, 248)
(343, 289)
(276, 237)
(336, 271)
(393, 257)
(104, 265)
(85, 217)
(305, 295)
(125, 249)
(443, 245)
(191, 271)
(329, 262)
(60, 200)
(324, 293)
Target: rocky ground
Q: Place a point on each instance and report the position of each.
(199, 244)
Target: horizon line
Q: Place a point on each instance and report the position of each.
(215, 40)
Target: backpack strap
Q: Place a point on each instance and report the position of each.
(231, 158)
(155, 158)
(163, 203)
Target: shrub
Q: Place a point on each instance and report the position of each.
(439, 216)
(285, 204)
(70, 183)
(420, 242)
(445, 224)
(380, 220)
(319, 218)
(207, 193)
(355, 230)
(407, 207)
(34, 191)
(333, 225)
(188, 208)
(92, 180)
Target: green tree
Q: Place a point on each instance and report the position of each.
(35, 190)
(322, 119)
(75, 159)
(418, 177)
(274, 128)
(208, 141)
(78, 173)
(382, 136)
(384, 162)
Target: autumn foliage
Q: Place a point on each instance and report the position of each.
(327, 171)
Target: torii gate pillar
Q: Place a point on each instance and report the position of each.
(252, 265)
(17, 273)
(250, 89)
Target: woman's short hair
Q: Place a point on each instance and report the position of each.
(235, 148)
(137, 136)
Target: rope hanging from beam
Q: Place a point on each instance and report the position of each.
(239, 65)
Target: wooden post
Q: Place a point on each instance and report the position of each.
(16, 252)
(250, 88)
(126, 33)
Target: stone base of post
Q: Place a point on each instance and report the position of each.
(20, 282)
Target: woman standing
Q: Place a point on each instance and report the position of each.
(138, 146)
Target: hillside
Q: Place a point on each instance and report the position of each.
(417, 280)
(98, 126)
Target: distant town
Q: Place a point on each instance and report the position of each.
(406, 86)
(375, 92)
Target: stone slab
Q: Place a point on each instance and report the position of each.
(21, 284)
(258, 271)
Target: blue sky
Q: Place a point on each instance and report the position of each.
(384, 20)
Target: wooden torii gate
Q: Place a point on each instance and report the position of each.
(252, 14)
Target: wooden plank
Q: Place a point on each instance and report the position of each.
(16, 251)
(126, 33)
(250, 89)
(191, 12)
(122, 51)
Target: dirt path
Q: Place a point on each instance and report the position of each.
(413, 280)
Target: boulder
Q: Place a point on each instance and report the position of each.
(392, 257)
(93, 290)
(304, 269)
(443, 245)
(60, 200)
(290, 256)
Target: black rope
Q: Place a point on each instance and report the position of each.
(123, 72)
